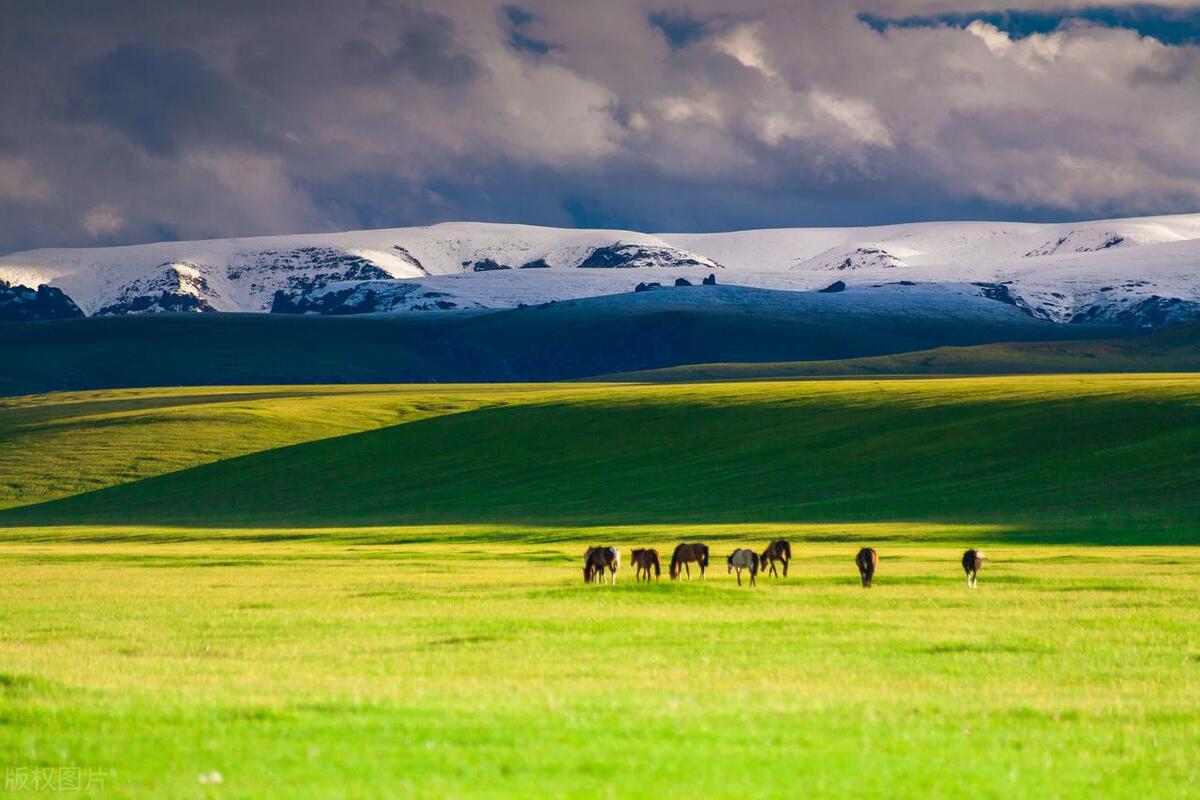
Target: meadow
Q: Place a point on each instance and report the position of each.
(376, 591)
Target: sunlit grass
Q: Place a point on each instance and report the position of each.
(470, 668)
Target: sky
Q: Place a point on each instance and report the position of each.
(128, 121)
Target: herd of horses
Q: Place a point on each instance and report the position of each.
(599, 560)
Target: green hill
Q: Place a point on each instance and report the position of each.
(1175, 349)
(1111, 458)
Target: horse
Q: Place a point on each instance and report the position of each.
(867, 559)
(778, 550)
(598, 559)
(741, 559)
(972, 560)
(686, 553)
(643, 560)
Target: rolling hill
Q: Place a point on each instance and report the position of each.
(1078, 458)
(1175, 349)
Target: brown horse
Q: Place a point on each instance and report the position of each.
(644, 560)
(685, 554)
(972, 560)
(598, 559)
(778, 550)
(867, 559)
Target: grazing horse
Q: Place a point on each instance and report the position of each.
(643, 560)
(972, 560)
(867, 559)
(598, 559)
(741, 559)
(686, 553)
(778, 550)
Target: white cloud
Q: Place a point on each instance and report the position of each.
(102, 220)
(19, 182)
(859, 117)
(744, 44)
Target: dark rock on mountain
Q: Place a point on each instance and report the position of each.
(624, 256)
(537, 263)
(1002, 294)
(836, 286)
(869, 257)
(166, 302)
(1152, 313)
(22, 304)
(411, 259)
(488, 265)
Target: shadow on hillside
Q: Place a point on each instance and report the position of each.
(1107, 467)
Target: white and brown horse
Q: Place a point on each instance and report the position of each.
(598, 559)
(972, 560)
(743, 559)
(866, 561)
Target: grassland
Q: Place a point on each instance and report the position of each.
(1079, 458)
(375, 591)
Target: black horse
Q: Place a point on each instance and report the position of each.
(866, 560)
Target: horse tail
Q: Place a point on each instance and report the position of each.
(657, 569)
(786, 547)
(704, 552)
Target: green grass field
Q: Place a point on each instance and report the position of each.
(376, 591)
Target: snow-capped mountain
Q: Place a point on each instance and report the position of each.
(1143, 272)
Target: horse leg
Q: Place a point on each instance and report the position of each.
(688, 567)
(785, 565)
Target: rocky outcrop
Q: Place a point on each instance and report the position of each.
(23, 304)
(836, 286)
(488, 265)
(627, 256)
(1151, 313)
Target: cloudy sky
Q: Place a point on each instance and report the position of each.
(128, 121)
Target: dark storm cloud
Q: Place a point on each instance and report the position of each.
(125, 120)
(161, 98)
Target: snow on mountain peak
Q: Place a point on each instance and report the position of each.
(1138, 271)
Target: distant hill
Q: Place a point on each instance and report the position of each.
(1175, 349)
(553, 341)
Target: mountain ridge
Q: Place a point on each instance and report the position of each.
(1141, 272)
